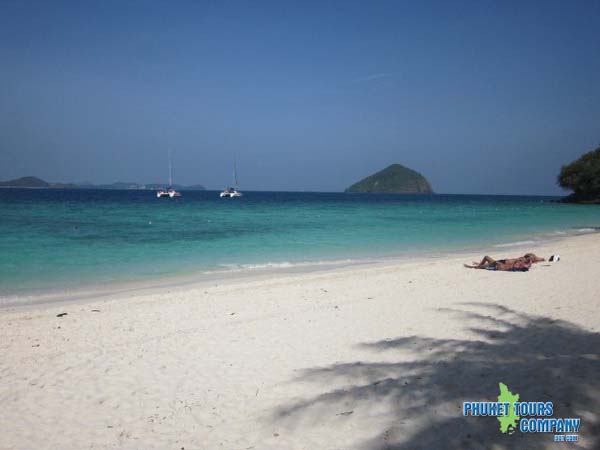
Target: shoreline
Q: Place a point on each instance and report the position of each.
(191, 279)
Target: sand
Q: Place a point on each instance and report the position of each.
(370, 357)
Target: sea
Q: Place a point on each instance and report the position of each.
(72, 240)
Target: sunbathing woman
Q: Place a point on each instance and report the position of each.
(520, 264)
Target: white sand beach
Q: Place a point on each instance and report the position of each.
(370, 357)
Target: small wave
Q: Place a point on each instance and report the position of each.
(587, 230)
(287, 264)
(557, 233)
(267, 265)
(550, 236)
(514, 244)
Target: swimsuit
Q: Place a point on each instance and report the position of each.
(493, 266)
(522, 268)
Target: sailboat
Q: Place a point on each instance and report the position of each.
(170, 192)
(231, 192)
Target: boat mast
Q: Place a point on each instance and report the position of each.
(235, 179)
(170, 170)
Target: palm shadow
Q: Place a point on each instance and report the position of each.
(539, 358)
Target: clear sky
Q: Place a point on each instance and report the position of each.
(479, 96)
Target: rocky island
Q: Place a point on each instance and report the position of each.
(396, 179)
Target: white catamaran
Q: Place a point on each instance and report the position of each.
(231, 192)
(170, 192)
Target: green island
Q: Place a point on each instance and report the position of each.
(397, 179)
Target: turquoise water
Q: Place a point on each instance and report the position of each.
(54, 239)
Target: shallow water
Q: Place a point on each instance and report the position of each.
(52, 239)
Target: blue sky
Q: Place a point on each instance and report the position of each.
(481, 97)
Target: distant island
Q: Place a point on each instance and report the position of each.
(395, 178)
(582, 176)
(37, 183)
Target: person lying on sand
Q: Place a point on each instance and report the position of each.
(520, 264)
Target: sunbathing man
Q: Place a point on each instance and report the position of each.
(520, 264)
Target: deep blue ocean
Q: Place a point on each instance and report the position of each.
(65, 239)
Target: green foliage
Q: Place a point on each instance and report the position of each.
(393, 179)
(583, 175)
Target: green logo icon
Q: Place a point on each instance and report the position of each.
(508, 423)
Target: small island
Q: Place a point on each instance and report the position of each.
(396, 179)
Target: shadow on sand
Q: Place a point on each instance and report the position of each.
(539, 358)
